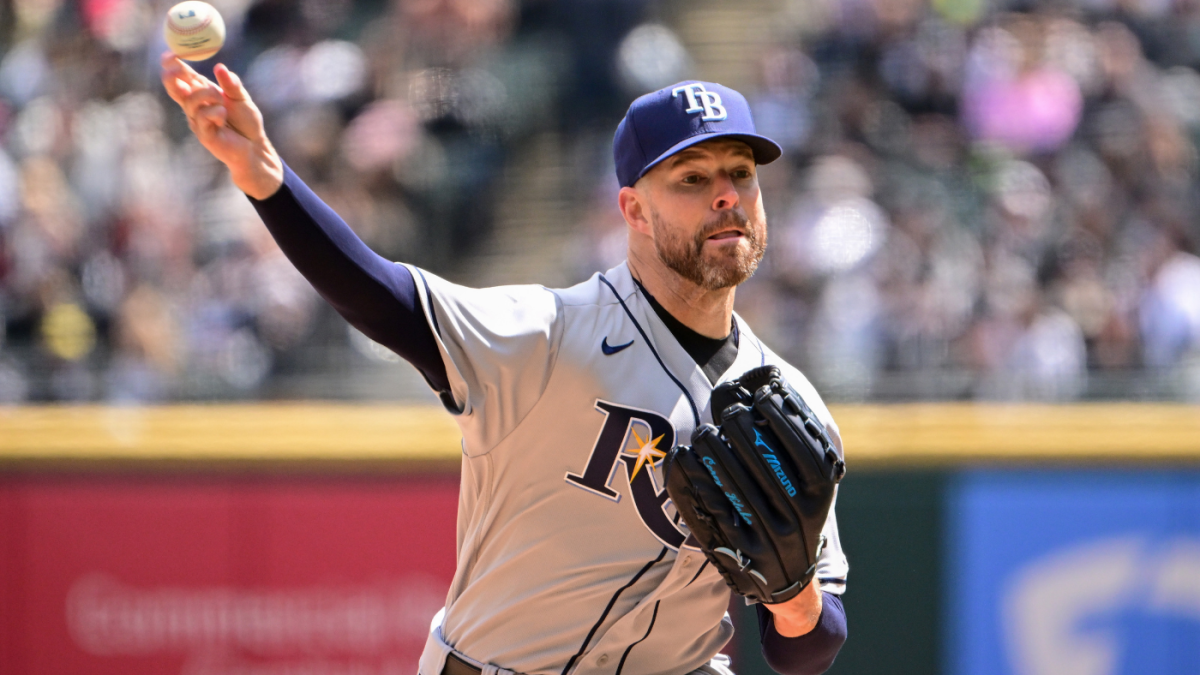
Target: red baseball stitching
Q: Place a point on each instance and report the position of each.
(176, 28)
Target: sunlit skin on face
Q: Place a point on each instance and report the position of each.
(696, 230)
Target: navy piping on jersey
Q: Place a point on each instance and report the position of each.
(429, 301)
(762, 351)
(612, 601)
(713, 356)
(698, 573)
(444, 395)
(653, 618)
(638, 326)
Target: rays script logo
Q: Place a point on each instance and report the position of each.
(637, 440)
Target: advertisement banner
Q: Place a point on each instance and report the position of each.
(266, 576)
(1074, 573)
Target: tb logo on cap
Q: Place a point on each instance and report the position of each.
(700, 99)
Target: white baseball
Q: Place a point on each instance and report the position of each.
(194, 30)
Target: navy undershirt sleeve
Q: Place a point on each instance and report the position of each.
(809, 654)
(377, 296)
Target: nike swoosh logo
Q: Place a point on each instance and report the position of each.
(609, 350)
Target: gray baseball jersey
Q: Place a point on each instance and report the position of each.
(571, 558)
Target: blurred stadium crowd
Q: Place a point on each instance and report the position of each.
(978, 198)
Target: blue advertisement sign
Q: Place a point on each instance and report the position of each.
(1074, 573)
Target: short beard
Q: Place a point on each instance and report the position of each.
(687, 258)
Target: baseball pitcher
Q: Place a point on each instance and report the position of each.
(631, 450)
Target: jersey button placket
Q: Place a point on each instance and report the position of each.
(602, 659)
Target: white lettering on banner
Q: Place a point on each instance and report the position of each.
(106, 617)
(1055, 607)
(700, 99)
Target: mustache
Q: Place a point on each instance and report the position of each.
(726, 220)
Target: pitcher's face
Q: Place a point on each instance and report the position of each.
(706, 213)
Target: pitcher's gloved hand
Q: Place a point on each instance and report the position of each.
(756, 489)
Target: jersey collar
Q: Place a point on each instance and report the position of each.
(674, 356)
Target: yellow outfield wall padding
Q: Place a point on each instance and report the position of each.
(306, 432)
(955, 432)
(230, 432)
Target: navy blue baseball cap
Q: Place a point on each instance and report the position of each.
(666, 121)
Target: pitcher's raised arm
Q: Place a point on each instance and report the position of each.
(376, 295)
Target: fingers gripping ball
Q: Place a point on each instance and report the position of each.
(194, 30)
(756, 491)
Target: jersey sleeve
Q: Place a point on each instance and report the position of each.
(832, 566)
(498, 345)
(377, 296)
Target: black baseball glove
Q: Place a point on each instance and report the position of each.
(756, 489)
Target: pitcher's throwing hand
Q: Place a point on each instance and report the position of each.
(227, 123)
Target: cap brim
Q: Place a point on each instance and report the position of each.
(765, 150)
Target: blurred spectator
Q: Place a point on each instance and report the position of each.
(977, 199)
(131, 269)
(990, 204)
(1170, 309)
